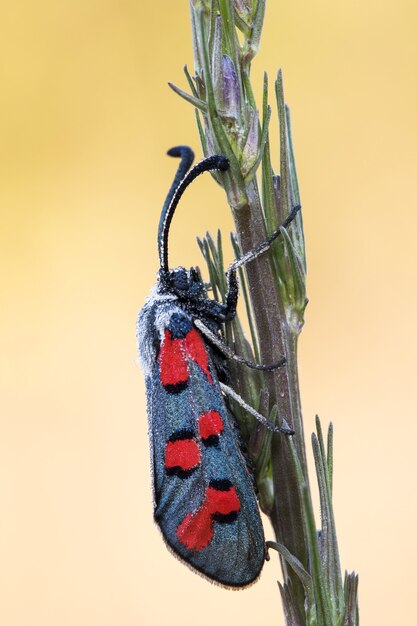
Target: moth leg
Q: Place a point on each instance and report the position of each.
(228, 352)
(231, 295)
(221, 312)
(263, 246)
(284, 429)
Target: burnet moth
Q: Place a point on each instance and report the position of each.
(204, 497)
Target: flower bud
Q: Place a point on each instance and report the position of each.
(250, 149)
(231, 90)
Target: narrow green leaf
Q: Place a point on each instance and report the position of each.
(248, 91)
(190, 82)
(297, 233)
(292, 616)
(351, 616)
(216, 56)
(295, 564)
(211, 268)
(320, 438)
(211, 35)
(255, 37)
(325, 542)
(294, 189)
(279, 92)
(196, 102)
(217, 269)
(330, 457)
(268, 196)
(330, 551)
(201, 133)
(241, 25)
(220, 251)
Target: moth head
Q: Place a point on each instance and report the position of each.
(185, 284)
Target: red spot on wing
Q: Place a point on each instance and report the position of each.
(173, 356)
(196, 350)
(183, 453)
(222, 502)
(196, 529)
(210, 424)
(172, 362)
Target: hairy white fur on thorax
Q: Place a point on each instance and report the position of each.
(153, 319)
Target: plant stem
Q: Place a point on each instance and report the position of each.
(229, 123)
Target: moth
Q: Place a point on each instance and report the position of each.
(204, 497)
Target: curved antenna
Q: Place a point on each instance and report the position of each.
(187, 157)
(215, 162)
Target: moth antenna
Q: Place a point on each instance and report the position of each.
(187, 157)
(214, 162)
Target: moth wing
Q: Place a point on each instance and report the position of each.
(204, 498)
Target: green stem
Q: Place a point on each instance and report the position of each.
(323, 610)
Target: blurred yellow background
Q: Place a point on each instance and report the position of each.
(85, 119)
